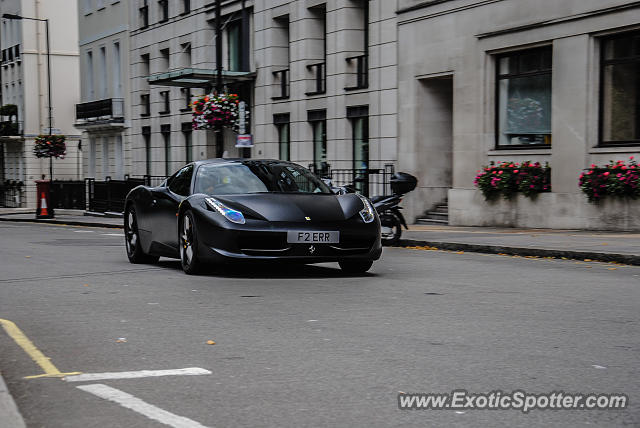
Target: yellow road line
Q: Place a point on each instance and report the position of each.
(23, 341)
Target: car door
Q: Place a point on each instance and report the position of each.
(167, 199)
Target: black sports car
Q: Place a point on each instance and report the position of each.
(222, 210)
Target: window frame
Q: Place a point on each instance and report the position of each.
(280, 121)
(498, 77)
(603, 64)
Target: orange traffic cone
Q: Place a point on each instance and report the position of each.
(43, 205)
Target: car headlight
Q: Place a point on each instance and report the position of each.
(230, 214)
(368, 213)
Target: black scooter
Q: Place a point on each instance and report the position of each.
(388, 207)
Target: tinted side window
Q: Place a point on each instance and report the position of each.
(180, 183)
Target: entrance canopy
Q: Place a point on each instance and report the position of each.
(198, 77)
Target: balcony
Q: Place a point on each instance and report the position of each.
(104, 113)
(10, 128)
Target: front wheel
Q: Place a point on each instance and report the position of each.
(355, 266)
(188, 244)
(390, 229)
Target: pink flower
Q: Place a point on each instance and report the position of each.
(630, 157)
(606, 174)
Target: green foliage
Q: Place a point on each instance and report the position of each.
(47, 146)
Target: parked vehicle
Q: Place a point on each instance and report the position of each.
(388, 207)
(222, 210)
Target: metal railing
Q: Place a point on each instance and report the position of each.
(10, 128)
(319, 70)
(367, 181)
(69, 194)
(110, 108)
(109, 195)
(362, 71)
(12, 194)
(282, 77)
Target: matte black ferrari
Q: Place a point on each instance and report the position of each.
(222, 210)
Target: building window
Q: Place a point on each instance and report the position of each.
(146, 138)
(117, 70)
(186, 92)
(164, 97)
(92, 157)
(282, 122)
(186, 6)
(524, 98)
(145, 65)
(145, 105)
(105, 158)
(90, 85)
(234, 38)
(318, 121)
(165, 130)
(143, 14)
(163, 9)
(187, 133)
(164, 56)
(620, 90)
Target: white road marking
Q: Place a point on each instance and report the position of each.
(112, 234)
(190, 371)
(83, 231)
(137, 405)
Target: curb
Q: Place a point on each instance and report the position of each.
(9, 414)
(65, 222)
(628, 259)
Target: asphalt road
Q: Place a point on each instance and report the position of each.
(308, 346)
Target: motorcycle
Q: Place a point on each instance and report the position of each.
(388, 207)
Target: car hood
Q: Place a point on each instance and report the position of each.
(295, 207)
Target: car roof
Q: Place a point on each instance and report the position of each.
(239, 160)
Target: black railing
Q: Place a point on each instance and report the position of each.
(282, 77)
(68, 194)
(110, 109)
(319, 71)
(10, 128)
(109, 195)
(362, 71)
(368, 181)
(11, 194)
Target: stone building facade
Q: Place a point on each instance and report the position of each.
(24, 78)
(319, 78)
(105, 105)
(463, 67)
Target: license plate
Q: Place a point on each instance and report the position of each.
(304, 237)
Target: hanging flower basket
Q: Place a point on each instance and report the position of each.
(216, 112)
(48, 146)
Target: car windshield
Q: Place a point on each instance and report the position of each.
(257, 177)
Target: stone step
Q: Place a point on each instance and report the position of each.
(437, 215)
(431, 221)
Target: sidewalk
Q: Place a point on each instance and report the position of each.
(9, 413)
(621, 247)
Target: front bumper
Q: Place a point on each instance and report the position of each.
(261, 240)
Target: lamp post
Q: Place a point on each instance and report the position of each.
(46, 23)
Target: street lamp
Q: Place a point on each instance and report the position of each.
(46, 22)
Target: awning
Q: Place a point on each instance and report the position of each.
(198, 77)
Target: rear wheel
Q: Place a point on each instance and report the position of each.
(390, 229)
(355, 266)
(132, 239)
(189, 244)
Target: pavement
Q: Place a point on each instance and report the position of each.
(620, 247)
(306, 346)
